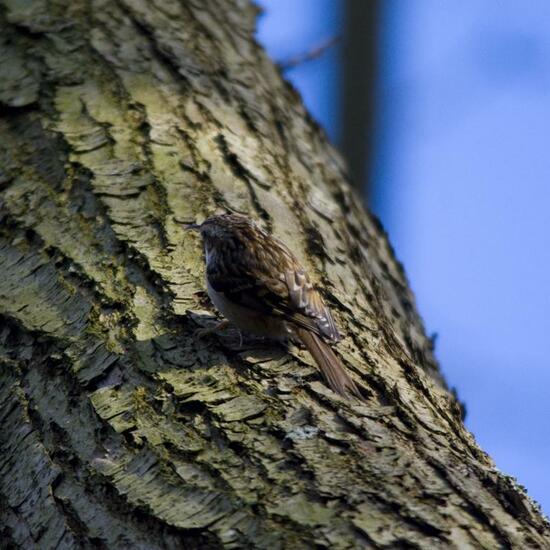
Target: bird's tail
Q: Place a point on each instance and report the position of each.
(331, 367)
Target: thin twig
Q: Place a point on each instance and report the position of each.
(310, 55)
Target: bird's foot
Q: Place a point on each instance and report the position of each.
(202, 332)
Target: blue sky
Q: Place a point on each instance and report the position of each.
(462, 184)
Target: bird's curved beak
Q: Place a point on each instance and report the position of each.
(193, 226)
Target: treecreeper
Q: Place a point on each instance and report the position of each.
(258, 284)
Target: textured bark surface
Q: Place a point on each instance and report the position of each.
(121, 121)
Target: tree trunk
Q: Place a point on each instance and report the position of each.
(121, 121)
(359, 89)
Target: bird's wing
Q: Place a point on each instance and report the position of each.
(277, 285)
(307, 302)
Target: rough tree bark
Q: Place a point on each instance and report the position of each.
(121, 121)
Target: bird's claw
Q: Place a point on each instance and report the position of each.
(202, 332)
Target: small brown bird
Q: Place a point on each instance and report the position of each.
(256, 282)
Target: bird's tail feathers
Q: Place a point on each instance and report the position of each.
(331, 367)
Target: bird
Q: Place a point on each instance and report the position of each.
(259, 286)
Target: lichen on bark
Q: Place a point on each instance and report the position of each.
(121, 122)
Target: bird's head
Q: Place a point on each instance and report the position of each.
(224, 229)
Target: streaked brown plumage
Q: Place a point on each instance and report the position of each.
(259, 285)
